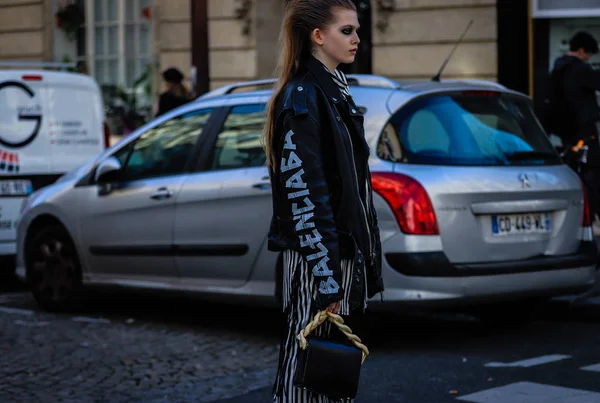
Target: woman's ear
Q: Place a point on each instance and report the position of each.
(317, 36)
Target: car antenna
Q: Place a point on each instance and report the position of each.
(438, 75)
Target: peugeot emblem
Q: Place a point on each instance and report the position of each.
(524, 181)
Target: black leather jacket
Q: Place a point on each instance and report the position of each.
(322, 197)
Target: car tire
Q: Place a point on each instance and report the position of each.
(53, 269)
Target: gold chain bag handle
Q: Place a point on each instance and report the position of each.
(339, 322)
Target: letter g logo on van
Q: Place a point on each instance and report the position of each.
(25, 113)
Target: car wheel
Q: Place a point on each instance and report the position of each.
(53, 269)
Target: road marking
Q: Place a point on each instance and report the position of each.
(529, 392)
(17, 311)
(595, 368)
(531, 362)
(90, 320)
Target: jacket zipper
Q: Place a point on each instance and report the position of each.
(358, 188)
(368, 198)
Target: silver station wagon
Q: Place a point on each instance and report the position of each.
(475, 206)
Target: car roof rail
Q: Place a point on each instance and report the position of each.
(478, 82)
(30, 64)
(229, 88)
(362, 80)
(370, 80)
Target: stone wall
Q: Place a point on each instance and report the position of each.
(232, 39)
(419, 34)
(26, 28)
(172, 36)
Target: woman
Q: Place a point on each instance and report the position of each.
(324, 222)
(176, 93)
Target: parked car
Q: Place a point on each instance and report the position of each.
(50, 123)
(474, 204)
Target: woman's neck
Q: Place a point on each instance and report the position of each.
(327, 62)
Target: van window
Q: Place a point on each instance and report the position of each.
(470, 128)
(165, 149)
(239, 143)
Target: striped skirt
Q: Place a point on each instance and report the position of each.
(297, 297)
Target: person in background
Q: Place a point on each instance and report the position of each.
(176, 93)
(571, 109)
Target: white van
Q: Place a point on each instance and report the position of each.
(51, 122)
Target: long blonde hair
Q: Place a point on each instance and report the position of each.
(300, 19)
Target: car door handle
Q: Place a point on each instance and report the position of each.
(264, 184)
(162, 193)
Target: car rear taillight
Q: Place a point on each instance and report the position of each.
(106, 135)
(409, 201)
(31, 77)
(587, 212)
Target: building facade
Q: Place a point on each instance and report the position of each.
(510, 41)
(409, 37)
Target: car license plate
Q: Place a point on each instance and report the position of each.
(521, 223)
(15, 188)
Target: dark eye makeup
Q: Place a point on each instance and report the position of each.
(348, 30)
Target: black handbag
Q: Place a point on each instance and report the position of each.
(326, 367)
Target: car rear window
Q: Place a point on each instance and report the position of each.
(467, 128)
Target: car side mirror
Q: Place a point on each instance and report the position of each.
(108, 170)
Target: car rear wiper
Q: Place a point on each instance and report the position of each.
(531, 155)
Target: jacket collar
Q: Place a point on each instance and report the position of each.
(329, 87)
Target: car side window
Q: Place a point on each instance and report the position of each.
(165, 149)
(389, 147)
(239, 143)
(123, 154)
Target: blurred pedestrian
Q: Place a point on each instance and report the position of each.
(176, 93)
(324, 223)
(571, 110)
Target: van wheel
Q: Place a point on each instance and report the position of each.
(53, 269)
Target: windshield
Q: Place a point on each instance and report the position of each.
(468, 128)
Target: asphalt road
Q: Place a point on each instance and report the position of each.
(150, 349)
(555, 359)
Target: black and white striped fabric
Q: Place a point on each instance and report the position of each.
(298, 294)
(340, 80)
(295, 262)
